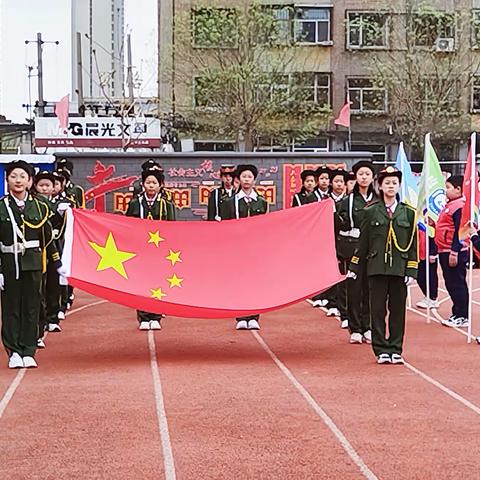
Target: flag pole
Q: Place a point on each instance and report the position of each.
(473, 188)
(427, 234)
(403, 158)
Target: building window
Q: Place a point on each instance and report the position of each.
(430, 29)
(312, 25)
(378, 150)
(314, 87)
(367, 30)
(365, 97)
(213, 146)
(204, 94)
(476, 28)
(476, 94)
(215, 27)
(277, 90)
(320, 144)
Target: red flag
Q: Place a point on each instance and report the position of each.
(344, 116)
(61, 111)
(204, 269)
(471, 193)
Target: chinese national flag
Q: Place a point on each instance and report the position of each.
(344, 116)
(204, 269)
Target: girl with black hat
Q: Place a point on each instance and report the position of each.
(153, 206)
(247, 202)
(25, 233)
(225, 191)
(350, 213)
(305, 195)
(388, 251)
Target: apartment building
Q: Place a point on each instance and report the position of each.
(335, 42)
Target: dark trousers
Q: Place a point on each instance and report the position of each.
(250, 317)
(20, 311)
(387, 291)
(53, 295)
(143, 316)
(42, 313)
(341, 287)
(358, 304)
(456, 283)
(433, 275)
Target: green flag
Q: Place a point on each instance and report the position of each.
(431, 195)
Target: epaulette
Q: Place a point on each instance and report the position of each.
(372, 203)
(410, 207)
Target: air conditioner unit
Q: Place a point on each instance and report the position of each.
(445, 45)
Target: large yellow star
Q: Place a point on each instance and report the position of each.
(111, 256)
(174, 257)
(175, 281)
(155, 238)
(157, 293)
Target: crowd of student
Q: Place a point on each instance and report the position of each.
(376, 243)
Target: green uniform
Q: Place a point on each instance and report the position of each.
(302, 198)
(76, 194)
(348, 221)
(388, 250)
(23, 250)
(215, 200)
(158, 208)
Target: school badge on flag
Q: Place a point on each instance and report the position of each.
(204, 269)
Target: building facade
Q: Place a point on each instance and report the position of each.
(101, 27)
(337, 40)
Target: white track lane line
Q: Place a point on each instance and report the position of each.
(168, 461)
(444, 389)
(346, 445)
(21, 372)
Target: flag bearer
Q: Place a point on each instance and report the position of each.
(350, 213)
(388, 248)
(306, 195)
(222, 193)
(247, 202)
(153, 206)
(25, 234)
(73, 191)
(453, 253)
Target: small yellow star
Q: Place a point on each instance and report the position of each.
(157, 293)
(174, 257)
(175, 281)
(155, 238)
(111, 256)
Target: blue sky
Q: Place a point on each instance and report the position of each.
(52, 19)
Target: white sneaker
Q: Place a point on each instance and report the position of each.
(144, 326)
(319, 303)
(460, 322)
(450, 321)
(155, 325)
(61, 315)
(253, 325)
(384, 358)
(333, 312)
(367, 336)
(29, 362)
(344, 324)
(54, 327)
(356, 338)
(15, 361)
(427, 303)
(397, 359)
(40, 343)
(242, 325)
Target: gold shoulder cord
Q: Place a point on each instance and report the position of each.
(42, 222)
(162, 206)
(392, 236)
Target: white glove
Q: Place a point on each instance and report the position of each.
(62, 271)
(63, 207)
(408, 281)
(2, 281)
(351, 275)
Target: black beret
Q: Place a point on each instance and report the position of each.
(308, 173)
(389, 172)
(10, 167)
(64, 163)
(322, 169)
(151, 164)
(339, 171)
(227, 169)
(44, 175)
(245, 168)
(351, 176)
(63, 173)
(363, 164)
(154, 172)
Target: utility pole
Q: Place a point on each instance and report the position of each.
(79, 72)
(40, 42)
(129, 71)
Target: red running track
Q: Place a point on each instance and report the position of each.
(94, 408)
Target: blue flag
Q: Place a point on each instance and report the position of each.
(409, 188)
